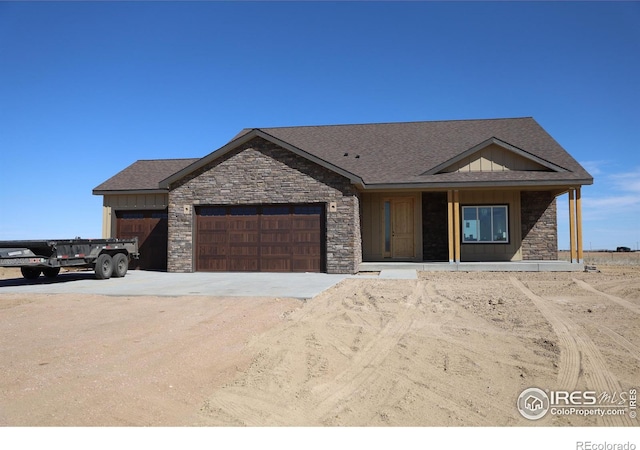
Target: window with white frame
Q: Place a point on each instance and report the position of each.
(485, 224)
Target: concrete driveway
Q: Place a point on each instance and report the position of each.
(138, 282)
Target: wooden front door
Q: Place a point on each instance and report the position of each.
(402, 224)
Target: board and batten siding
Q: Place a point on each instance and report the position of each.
(128, 202)
(494, 252)
(494, 159)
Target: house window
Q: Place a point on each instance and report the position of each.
(485, 224)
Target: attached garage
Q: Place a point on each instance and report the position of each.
(260, 238)
(151, 229)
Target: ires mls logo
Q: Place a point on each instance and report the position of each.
(533, 403)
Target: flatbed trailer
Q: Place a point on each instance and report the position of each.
(107, 257)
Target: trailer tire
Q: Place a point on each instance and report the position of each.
(120, 265)
(104, 267)
(30, 273)
(51, 272)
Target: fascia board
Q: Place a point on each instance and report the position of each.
(130, 192)
(472, 184)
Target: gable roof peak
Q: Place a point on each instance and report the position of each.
(476, 149)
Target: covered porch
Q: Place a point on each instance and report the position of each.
(469, 230)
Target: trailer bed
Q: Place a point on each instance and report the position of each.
(108, 257)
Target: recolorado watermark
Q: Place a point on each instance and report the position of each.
(535, 403)
(588, 445)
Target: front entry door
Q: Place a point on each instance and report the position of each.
(402, 228)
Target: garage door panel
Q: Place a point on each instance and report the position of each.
(243, 238)
(300, 238)
(151, 229)
(213, 238)
(243, 224)
(243, 250)
(212, 250)
(270, 264)
(242, 265)
(305, 265)
(275, 223)
(213, 264)
(281, 238)
(213, 224)
(305, 251)
(275, 250)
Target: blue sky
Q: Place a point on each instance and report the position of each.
(87, 88)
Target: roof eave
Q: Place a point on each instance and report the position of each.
(476, 184)
(128, 191)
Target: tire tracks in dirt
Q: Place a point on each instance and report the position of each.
(575, 342)
(620, 301)
(570, 354)
(310, 398)
(365, 366)
(621, 341)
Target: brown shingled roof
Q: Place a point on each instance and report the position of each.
(396, 153)
(405, 154)
(143, 175)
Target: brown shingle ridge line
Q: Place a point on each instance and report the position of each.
(382, 123)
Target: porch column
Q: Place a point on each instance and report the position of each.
(579, 225)
(456, 224)
(572, 226)
(450, 225)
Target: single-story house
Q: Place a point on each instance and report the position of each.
(327, 198)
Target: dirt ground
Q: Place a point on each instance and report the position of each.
(448, 349)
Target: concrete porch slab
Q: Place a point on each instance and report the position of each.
(498, 266)
(399, 274)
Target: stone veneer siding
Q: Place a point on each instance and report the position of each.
(539, 225)
(435, 234)
(260, 172)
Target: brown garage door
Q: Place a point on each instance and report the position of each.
(151, 229)
(279, 238)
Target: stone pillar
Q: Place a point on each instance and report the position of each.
(539, 225)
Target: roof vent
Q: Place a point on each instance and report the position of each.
(357, 156)
(346, 154)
